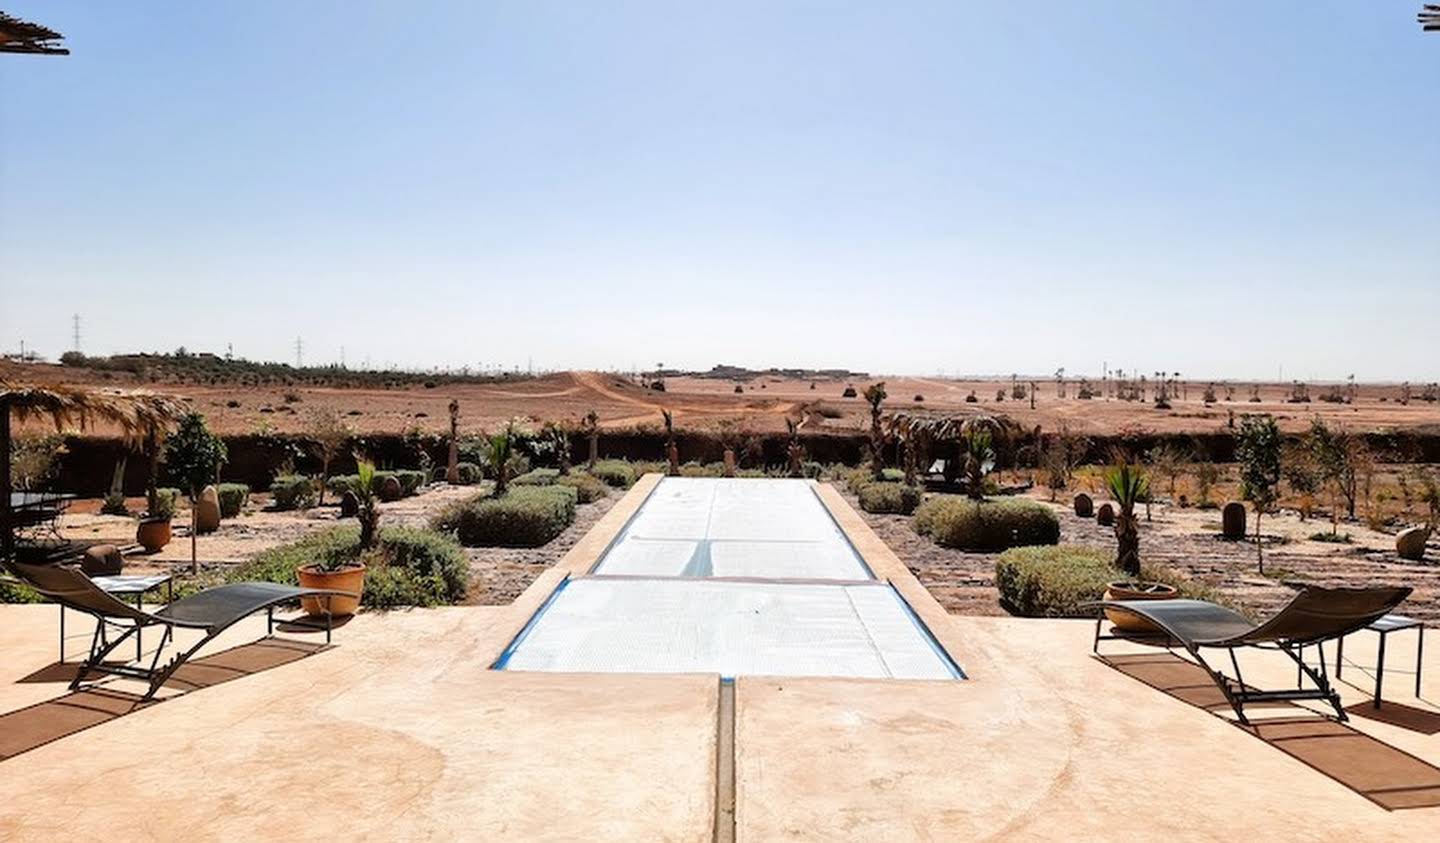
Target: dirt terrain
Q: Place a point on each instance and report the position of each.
(760, 406)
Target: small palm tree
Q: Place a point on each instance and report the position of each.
(499, 448)
(875, 394)
(367, 503)
(979, 460)
(1128, 485)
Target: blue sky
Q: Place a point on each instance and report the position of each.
(1214, 188)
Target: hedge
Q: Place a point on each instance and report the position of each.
(888, 497)
(537, 477)
(1052, 582)
(233, 497)
(525, 516)
(407, 567)
(587, 489)
(858, 478)
(989, 525)
(617, 473)
(293, 491)
(470, 473)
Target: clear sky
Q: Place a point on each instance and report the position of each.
(1219, 188)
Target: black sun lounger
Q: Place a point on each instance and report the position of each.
(210, 612)
(1315, 616)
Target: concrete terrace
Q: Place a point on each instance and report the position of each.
(401, 731)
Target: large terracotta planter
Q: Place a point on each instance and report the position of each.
(350, 579)
(1126, 622)
(153, 534)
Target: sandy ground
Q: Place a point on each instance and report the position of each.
(761, 405)
(1188, 540)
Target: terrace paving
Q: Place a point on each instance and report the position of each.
(401, 731)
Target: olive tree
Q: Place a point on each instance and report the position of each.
(1258, 452)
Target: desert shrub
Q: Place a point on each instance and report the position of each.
(407, 567)
(526, 516)
(617, 473)
(537, 477)
(889, 497)
(1052, 582)
(696, 469)
(410, 480)
(232, 498)
(293, 491)
(587, 489)
(114, 504)
(812, 469)
(1331, 538)
(954, 521)
(470, 473)
(858, 478)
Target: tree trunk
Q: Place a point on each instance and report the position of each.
(1259, 545)
(194, 558)
(324, 479)
(1127, 536)
(594, 450)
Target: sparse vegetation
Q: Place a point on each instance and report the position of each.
(989, 525)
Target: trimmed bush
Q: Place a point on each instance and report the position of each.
(617, 473)
(989, 525)
(407, 567)
(526, 516)
(587, 489)
(339, 484)
(470, 473)
(1052, 582)
(857, 478)
(537, 477)
(410, 480)
(889, 498)
(232, 498)
(293, 491)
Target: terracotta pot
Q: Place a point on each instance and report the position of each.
(350, 579)
(1127, 590)
(153, 534)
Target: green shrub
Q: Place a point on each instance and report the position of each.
(165, 499)
(989, 525)
(617, 473)
(889, 497)
(1331, 538)
(587, 489)
(18, 593)
(538, 477)
(812, 469)
(470, 473)
(408, 566)
(293, 491)
(410, 480)
(526, 516)
(1052, 582)
(114, 504)
(339, 484)
(696, 469)
(232, 498)
(379, 482)
(858, 478)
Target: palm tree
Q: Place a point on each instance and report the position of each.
(138, 416)
(1128, 485)
(875, 395)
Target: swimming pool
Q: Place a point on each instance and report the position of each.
(730, 576)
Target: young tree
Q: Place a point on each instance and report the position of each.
(591, 428)
(1127, 484)
(1169, 461)
(1258, 452)
(329, 432)
(875, 395)
(1340, 457)
(1302, 475)
(193, 455)
(452, 458)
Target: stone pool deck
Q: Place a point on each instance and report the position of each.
(400, 731)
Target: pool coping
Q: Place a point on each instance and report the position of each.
(882, 562)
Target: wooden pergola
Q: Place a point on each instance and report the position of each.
(139, 416)
(19, 36)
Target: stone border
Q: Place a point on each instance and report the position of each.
(888, 568)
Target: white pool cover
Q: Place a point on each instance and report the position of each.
(801, 601)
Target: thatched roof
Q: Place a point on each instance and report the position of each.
(1429, 17)
(135, 413)
(19, 36)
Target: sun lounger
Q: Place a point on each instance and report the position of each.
(210, 612)
(1315, 616)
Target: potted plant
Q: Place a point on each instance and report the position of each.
(153, 532)
(193, 456)
(1128, 485)
(345, 574)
